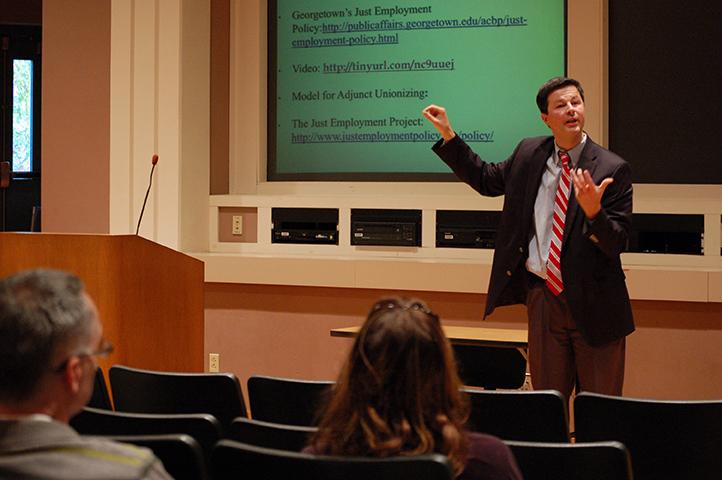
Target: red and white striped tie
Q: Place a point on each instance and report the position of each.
(554, 264)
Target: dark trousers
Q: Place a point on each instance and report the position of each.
(559, 355)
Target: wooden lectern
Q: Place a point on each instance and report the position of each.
(149, 297)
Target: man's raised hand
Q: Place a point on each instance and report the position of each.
(437, 116)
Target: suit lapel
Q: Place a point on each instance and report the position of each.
(536, 170)
(587, 161)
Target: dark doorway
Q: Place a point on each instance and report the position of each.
(20, 96)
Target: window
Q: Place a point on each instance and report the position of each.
(22, 116)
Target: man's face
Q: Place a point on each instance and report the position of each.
(565, 116)
(89, 363)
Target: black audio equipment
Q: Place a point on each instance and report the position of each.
(667, 233)
(386, 227)
(305, 225)
(466, 228)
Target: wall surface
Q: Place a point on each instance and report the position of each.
(247, 96)
(220, 64)
(75, 114)
(284, 331)
(159, 101)
(122, 81)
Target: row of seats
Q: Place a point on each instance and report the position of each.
(537, 461)
(203, 427)
(666, 439)
(294, 402)
(255, 449)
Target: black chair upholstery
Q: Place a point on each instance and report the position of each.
(572, 461)
(233, 460)
(530, 416)
(100, 397)
(204, 428)
(146, 391)
(490, 367)
(269, 435)
(285, 400)
(181, 455)
(665, 439)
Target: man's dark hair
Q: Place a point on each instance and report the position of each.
(551, 85)
(40, 312)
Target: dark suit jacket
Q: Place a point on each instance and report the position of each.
(591, 269)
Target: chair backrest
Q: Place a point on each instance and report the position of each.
(146, 391)
(233, 460)
(100, 397)
(203, 427)
(530, 416)
(181, 455)
(665, 439)
(285, 400)
(572, 461)
(490, 367)
(269, 435)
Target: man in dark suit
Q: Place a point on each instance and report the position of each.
(566, 219)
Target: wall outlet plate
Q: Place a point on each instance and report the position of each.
(214, 362)
(237, 225)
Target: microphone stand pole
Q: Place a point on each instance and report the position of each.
(3, 213)
(4, 184)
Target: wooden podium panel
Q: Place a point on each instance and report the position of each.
(149, 297)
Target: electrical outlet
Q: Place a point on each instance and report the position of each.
(237, 225)
(214, 362)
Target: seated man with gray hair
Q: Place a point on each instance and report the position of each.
(50, 337)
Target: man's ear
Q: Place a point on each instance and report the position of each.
(544, 119)
(73, 374)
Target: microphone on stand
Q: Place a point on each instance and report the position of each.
(154, 161)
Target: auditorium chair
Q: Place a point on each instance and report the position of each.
(531, 416)
(666, 439)
(285, 400)
(100, 397)
(234, 460)
(269, 435)
(146, 391)
(203, 427)
(490, 367)
(572, 461)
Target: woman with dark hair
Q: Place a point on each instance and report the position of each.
(399, 394)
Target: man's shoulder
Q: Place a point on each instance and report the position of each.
(536, 141)
(529, 145)
(53, 450)
(603, 153)
(112, 459)
(123, 451)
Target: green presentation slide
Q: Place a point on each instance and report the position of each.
(348, 81)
